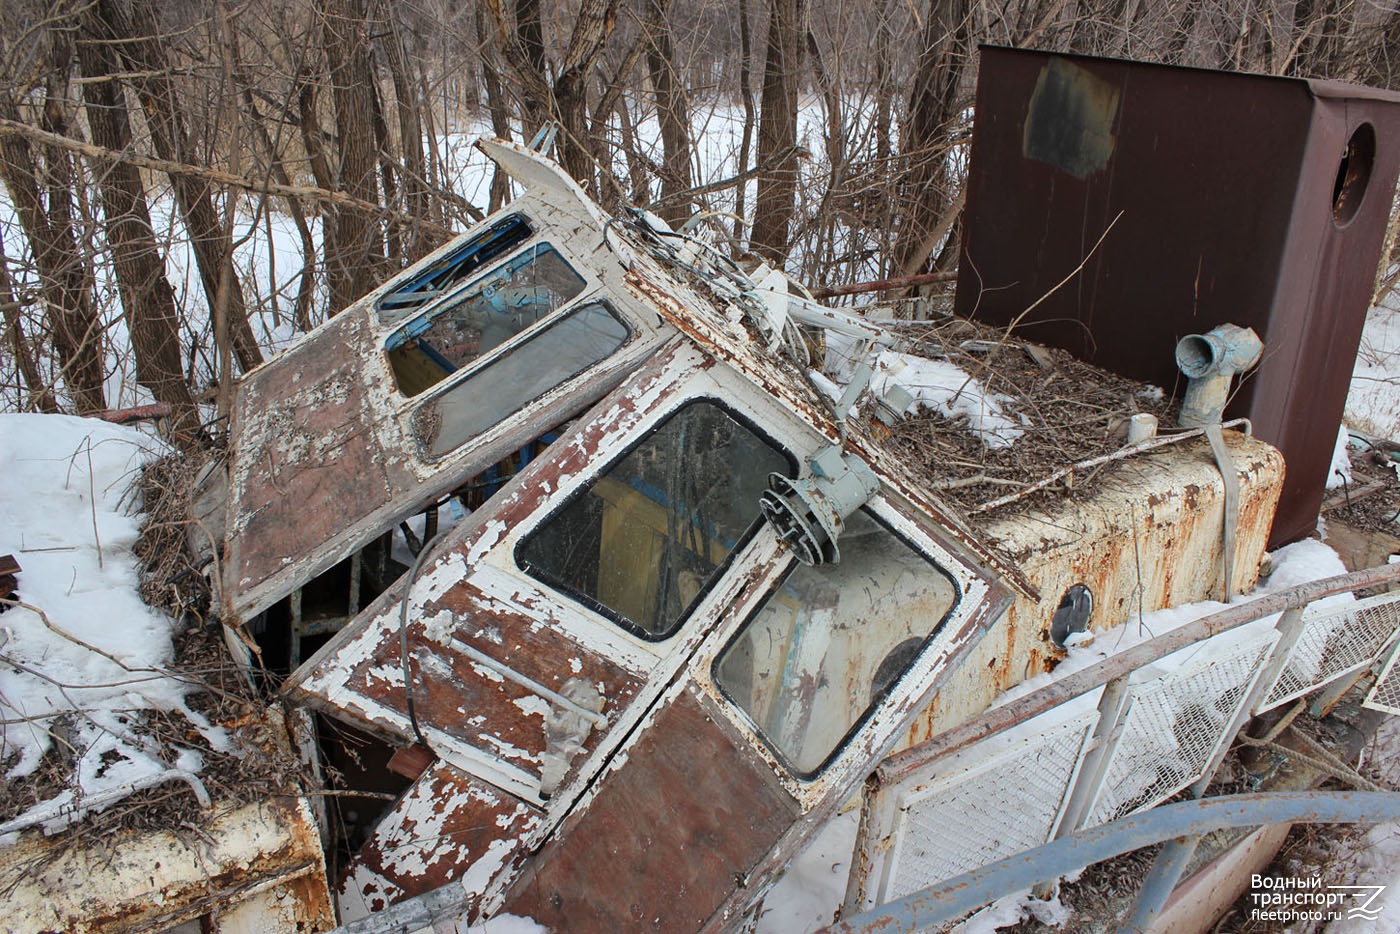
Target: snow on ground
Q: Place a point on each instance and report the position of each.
(806, 897)
(1373, 404)
(96, 655)
(1373, 857)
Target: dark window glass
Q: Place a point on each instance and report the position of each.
(480, 318)
(575, 341)
(646, 539)
(439, 278)
(832, 640)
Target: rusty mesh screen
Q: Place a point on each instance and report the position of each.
(1385, 693)
(1175, 724)
(1004, 799)
(1335, 642)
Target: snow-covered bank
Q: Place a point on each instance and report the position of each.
(84, 656)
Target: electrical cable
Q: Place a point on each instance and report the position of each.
(403, 637)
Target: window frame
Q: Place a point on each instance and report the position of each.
(394, 315)
(555, 587)
(434, 394)
(402, 332)
(848, 737)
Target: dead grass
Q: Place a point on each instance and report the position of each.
(1073, 412)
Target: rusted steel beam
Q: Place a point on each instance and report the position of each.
(884, 285)
(956, 897)
(1073, 685)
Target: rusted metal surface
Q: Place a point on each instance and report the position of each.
(410, 761)
(1243, 199)
(1086, 679)
(472, 593)
(9, 582)
(447, 827)
(136, 413)
(667, 836)
(661, 802)
(779, 378)
(152, 880)
(1148, 536)
(304, 435)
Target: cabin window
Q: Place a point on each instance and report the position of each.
(643, 542)
(564, 348)
(483, 316)
(832, 641)
(440, 277)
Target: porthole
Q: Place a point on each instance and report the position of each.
(1072, 615)
(1353, 174)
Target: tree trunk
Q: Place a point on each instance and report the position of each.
(750, 119)
(40, 393)
(142, 53)
(777, 130)
(933, 117)
(595, 22)
(495, 103)
(672, 113)
(351, 256)
(64, 281)
(534, 97)
(417, 202)
(147, 298)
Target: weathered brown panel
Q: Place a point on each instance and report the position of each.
(474, 704)
(443, 826)
(299, 445)
(667, 838)
(1219, 192)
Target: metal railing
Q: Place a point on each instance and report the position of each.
(1109, 740)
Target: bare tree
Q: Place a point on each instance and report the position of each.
(148, 301)
(353, 240)
(777, 129)
(41, 191)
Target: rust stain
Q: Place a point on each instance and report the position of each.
(636, 859)
(442, 825)
(477, 706)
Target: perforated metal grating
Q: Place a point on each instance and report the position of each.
(1333, 643)
(1176, 723)
(1385, 693)
(1005, 803)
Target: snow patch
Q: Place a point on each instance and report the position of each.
(943, 387)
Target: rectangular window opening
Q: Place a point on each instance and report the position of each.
(456, 267)
(485, 315)
(567, 346)
(645, 540)
(811, 664)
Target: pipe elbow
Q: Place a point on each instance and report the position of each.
(1210, 362)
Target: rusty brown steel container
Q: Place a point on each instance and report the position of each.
(1220, 198)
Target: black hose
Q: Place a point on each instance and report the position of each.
(403, 637)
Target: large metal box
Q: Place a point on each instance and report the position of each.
(1192, 198)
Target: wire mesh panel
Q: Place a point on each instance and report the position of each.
(1335, 642)
(1385, 693)
(1176, 722)
(994, 799)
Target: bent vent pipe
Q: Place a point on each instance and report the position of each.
(1210, 361)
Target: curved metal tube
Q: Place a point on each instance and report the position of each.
(956, 897)
(1210, 361)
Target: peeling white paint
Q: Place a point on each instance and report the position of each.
(532, 705)
(479, 875)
